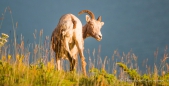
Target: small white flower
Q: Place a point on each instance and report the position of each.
(4, 35)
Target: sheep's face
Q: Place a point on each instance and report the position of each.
(94, 27)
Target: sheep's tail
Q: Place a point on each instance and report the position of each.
(74, 22)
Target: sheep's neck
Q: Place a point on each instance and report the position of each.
(85, 32)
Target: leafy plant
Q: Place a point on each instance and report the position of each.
(145, 79)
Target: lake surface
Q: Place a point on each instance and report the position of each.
(141, 26)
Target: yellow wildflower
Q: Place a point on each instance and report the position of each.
(5, 36)
(0, 39)
(1, 44)
(4, 40)
(9, 57)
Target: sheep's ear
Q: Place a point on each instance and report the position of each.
(87, 18)
(102, 23)
(99, 18)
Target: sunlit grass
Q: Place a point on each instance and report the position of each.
(34, 65)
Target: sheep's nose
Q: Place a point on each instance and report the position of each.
(100, 36)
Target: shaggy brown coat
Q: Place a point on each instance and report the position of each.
(68, 38)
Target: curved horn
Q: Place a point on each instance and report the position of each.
(99, 18)
(88, 12)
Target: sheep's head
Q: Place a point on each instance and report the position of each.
(93, 26)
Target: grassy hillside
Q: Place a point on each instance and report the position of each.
(34, 65)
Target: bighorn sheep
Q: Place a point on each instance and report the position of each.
(68, 37)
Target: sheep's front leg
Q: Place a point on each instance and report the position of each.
(72, 63)
(76, 61)
(79, 44)
(74, 52)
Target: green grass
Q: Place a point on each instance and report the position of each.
(16, 69)
(19, 73)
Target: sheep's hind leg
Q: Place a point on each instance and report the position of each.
(70, 57)
(58, 63)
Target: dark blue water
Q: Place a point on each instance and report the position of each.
(138, 25)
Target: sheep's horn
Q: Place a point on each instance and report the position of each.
(99, 18)
(89, 12)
